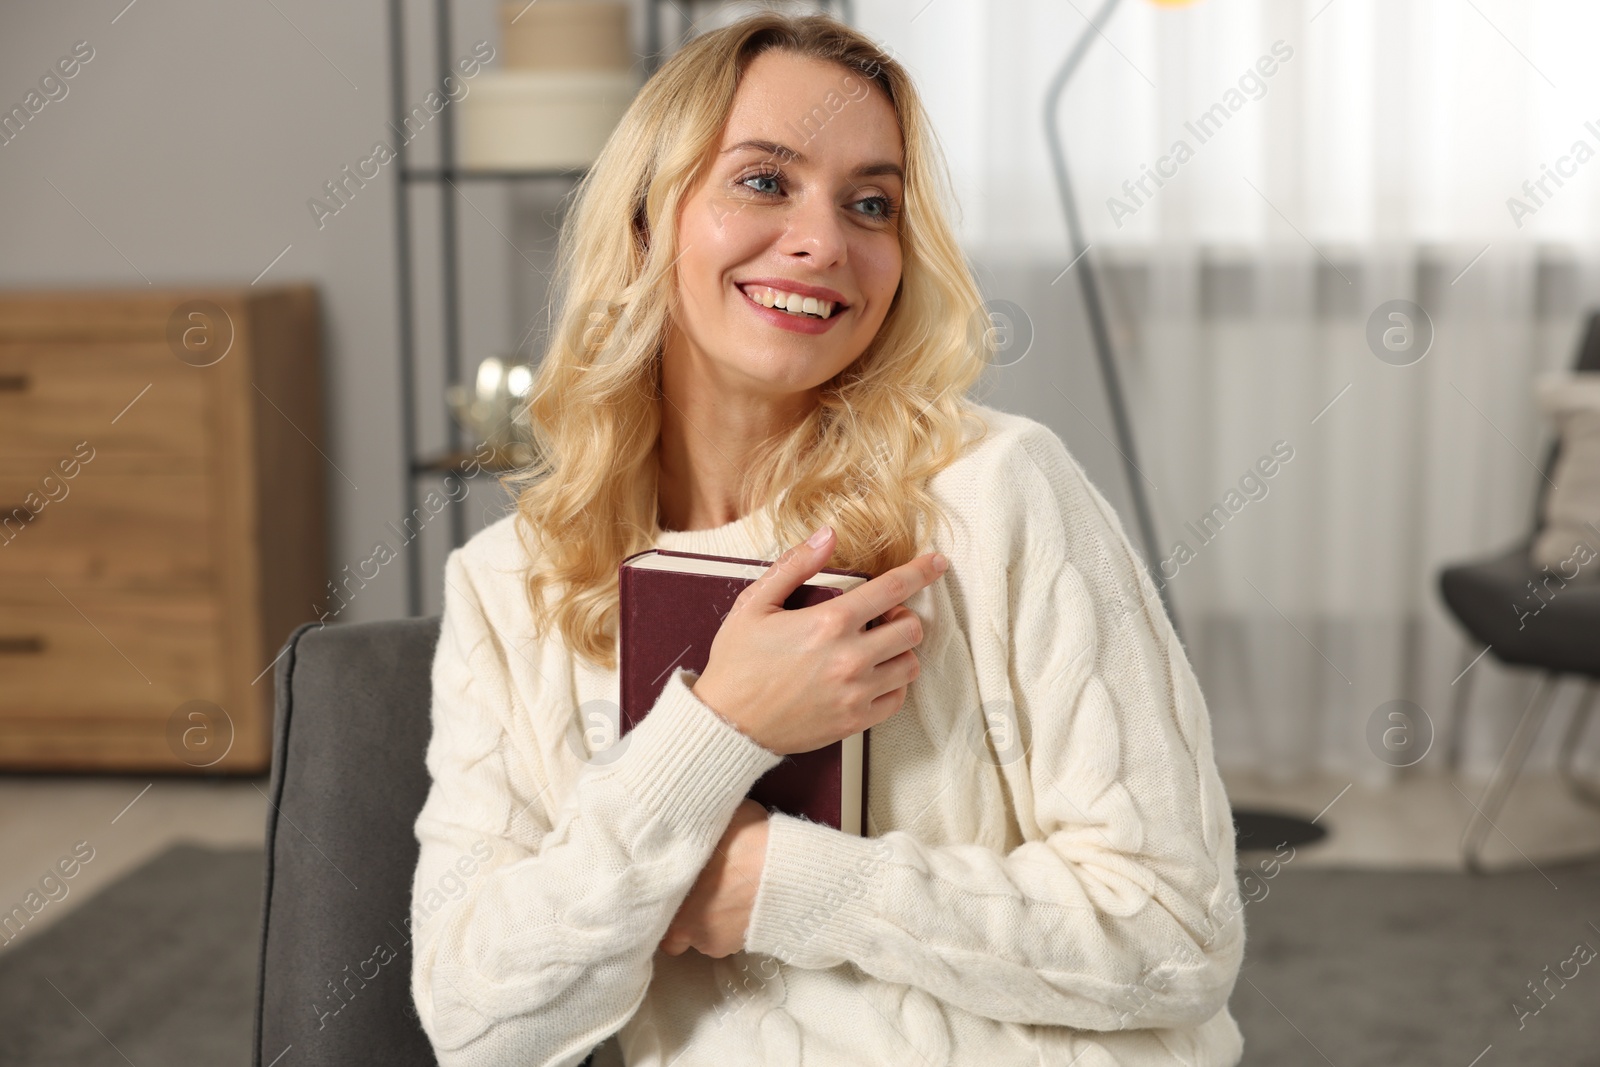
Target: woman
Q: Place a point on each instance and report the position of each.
(766, 334)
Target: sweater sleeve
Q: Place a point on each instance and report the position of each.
(1119, 909)
(535, 918)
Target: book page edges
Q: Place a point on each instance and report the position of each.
(728, 569)
(850, 801)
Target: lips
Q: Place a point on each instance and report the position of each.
(794, 297)
(783, 319)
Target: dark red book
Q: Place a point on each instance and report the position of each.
(672, 604)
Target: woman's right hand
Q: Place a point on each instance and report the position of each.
(794, 681)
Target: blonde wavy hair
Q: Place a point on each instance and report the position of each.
(860, 460)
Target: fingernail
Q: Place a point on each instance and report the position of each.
(816, 539)
(939, 562)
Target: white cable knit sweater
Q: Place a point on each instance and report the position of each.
(1049, 876)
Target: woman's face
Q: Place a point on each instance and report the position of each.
(801, 200)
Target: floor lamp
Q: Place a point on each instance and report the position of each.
(1254, 829)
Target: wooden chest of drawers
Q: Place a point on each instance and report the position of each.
(161, 522)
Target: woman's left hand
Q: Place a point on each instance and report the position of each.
(714, 916)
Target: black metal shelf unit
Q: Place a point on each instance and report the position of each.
(419, 467)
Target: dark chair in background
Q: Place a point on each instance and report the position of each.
(1558, 637)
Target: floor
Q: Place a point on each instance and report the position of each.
(1415, 824)
(123, 820)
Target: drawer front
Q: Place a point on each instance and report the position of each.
(126, 399)
(113, 681)
(86, 653)
(103, 527)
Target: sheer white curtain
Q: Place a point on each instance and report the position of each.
(1334, 156)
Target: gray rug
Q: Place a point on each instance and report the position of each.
(1375, 969)
(1353, 969)
(158, 968)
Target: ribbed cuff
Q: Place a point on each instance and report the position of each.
(816, 903)
(688, 764)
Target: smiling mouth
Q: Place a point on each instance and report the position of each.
(769, 298)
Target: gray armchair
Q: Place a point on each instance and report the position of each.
(348, 779)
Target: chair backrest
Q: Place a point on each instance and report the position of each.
(348, 780)
(1588, 360)
(1589, 354)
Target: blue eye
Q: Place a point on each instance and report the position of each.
(885, 206)
(759, 177)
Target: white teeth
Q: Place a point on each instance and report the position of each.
(793, 303)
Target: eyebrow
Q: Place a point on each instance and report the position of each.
(866, 170)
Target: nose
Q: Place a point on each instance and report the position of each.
(814, 231)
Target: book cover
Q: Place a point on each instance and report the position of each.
(672, 604)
